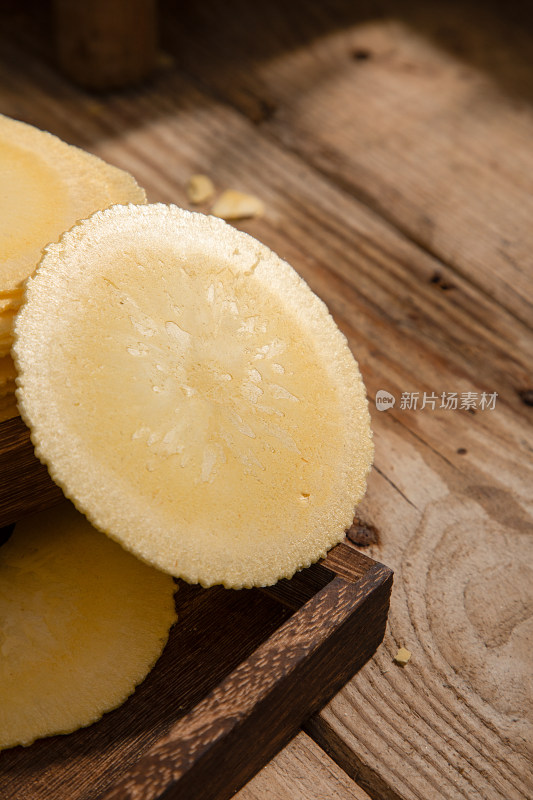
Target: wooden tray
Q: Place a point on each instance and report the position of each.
(241, 672)
(25, 485)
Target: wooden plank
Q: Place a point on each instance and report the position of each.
(421, 110)
(456, 721)
(301, 769)
(25, 486)
(245, 720)
(450, 497)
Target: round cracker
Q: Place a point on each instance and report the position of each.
(192, 396)
(11, 294)
(82, 622)
(47, 186)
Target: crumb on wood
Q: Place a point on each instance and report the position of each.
(402, 657)
(237, 205)
(200, 189)
(361, 54)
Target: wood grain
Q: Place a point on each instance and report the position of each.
(25, 485)
(301, 770)
(396, 251)
(421, 110)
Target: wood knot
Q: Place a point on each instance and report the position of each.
(262, 111)
(498, 600)
(526, 396)
(440, 282)
(362, 534)
(361, 54)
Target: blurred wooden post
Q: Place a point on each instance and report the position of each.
(106, 44)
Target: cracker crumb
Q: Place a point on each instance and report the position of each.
(402, 657)
(200, 188)
(237, 205)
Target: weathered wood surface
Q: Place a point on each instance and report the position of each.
(25, 486)
(301, 770)
(422, 110)
(393, 151)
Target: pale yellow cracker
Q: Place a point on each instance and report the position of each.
(11, 294)
(200, 188)
(9, 305)
(402, 657)
(81, 624)
(47, 185)
(192, 395)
